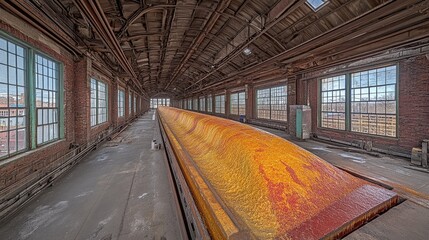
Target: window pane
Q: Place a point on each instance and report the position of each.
(47, 93)
(333, 100)
(209, 103)
(202, 104)
(220, 104)
(379, 101)
(13, 123)
(99, 104)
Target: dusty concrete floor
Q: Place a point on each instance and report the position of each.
(408, 220)
(119, 191)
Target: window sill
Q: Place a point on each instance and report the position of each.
(359, 134)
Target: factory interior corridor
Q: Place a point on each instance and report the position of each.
(119, 191)
(124, 190)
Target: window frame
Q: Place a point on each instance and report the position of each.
(58, 98)
(209, 103)
(269, 87)
(195, 106)
(238, 104)
(97, 107)
(202, 104)
(221, 107)
(30, 95)
(315, 9)
(121, 103)
(348, 99)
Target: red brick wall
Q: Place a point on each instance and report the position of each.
(22, 170)
(413, 109)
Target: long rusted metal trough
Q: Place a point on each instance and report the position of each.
(249, 184)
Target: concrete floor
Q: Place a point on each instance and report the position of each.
(408, 220)
(120, 191)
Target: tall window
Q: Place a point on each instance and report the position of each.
(373, 101)
(209, 103)
(156, 102)
(220, 104)
(98, 102)
(16, 92)
(190, 104)
(13, 107)
(271, 103)
(238, 103)
(195, 104)
(202, 104)
(121, 103)
(130, 103)
(135, 103)
(47, 83)
(333, 113)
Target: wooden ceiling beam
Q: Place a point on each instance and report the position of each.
(93, 13)
(291, 6)
(222, 5)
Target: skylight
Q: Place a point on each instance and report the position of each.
(316, 4)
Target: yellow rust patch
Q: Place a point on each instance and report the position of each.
(269, 185)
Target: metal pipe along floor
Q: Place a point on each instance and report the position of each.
(119, 191)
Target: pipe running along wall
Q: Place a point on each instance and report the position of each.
(250, 184)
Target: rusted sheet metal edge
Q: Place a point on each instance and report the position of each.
(189, 206)
(218, 221)
(170, 171)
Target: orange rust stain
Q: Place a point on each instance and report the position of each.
(269, 185)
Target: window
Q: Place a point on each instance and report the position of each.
(13, 107)
(220, 104)
(316, 4)
(195, 104)
(209, 103)
(238, 103)
(190, 104)
(135, 103)
(121, 103)
(156, 102)
(202, 104)
(16, 92)
(47, 94)
(333, 102)
(271, 103)
(98, 102)
(130, 103)
(373, 101)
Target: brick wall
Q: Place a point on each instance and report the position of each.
(21, 171)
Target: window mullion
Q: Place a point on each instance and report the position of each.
(348, 102)
(96, 103)
(31, 89)
(271, 108)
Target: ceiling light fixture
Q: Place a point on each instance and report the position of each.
(247, 51)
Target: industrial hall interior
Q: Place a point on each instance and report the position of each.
(214, 119)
